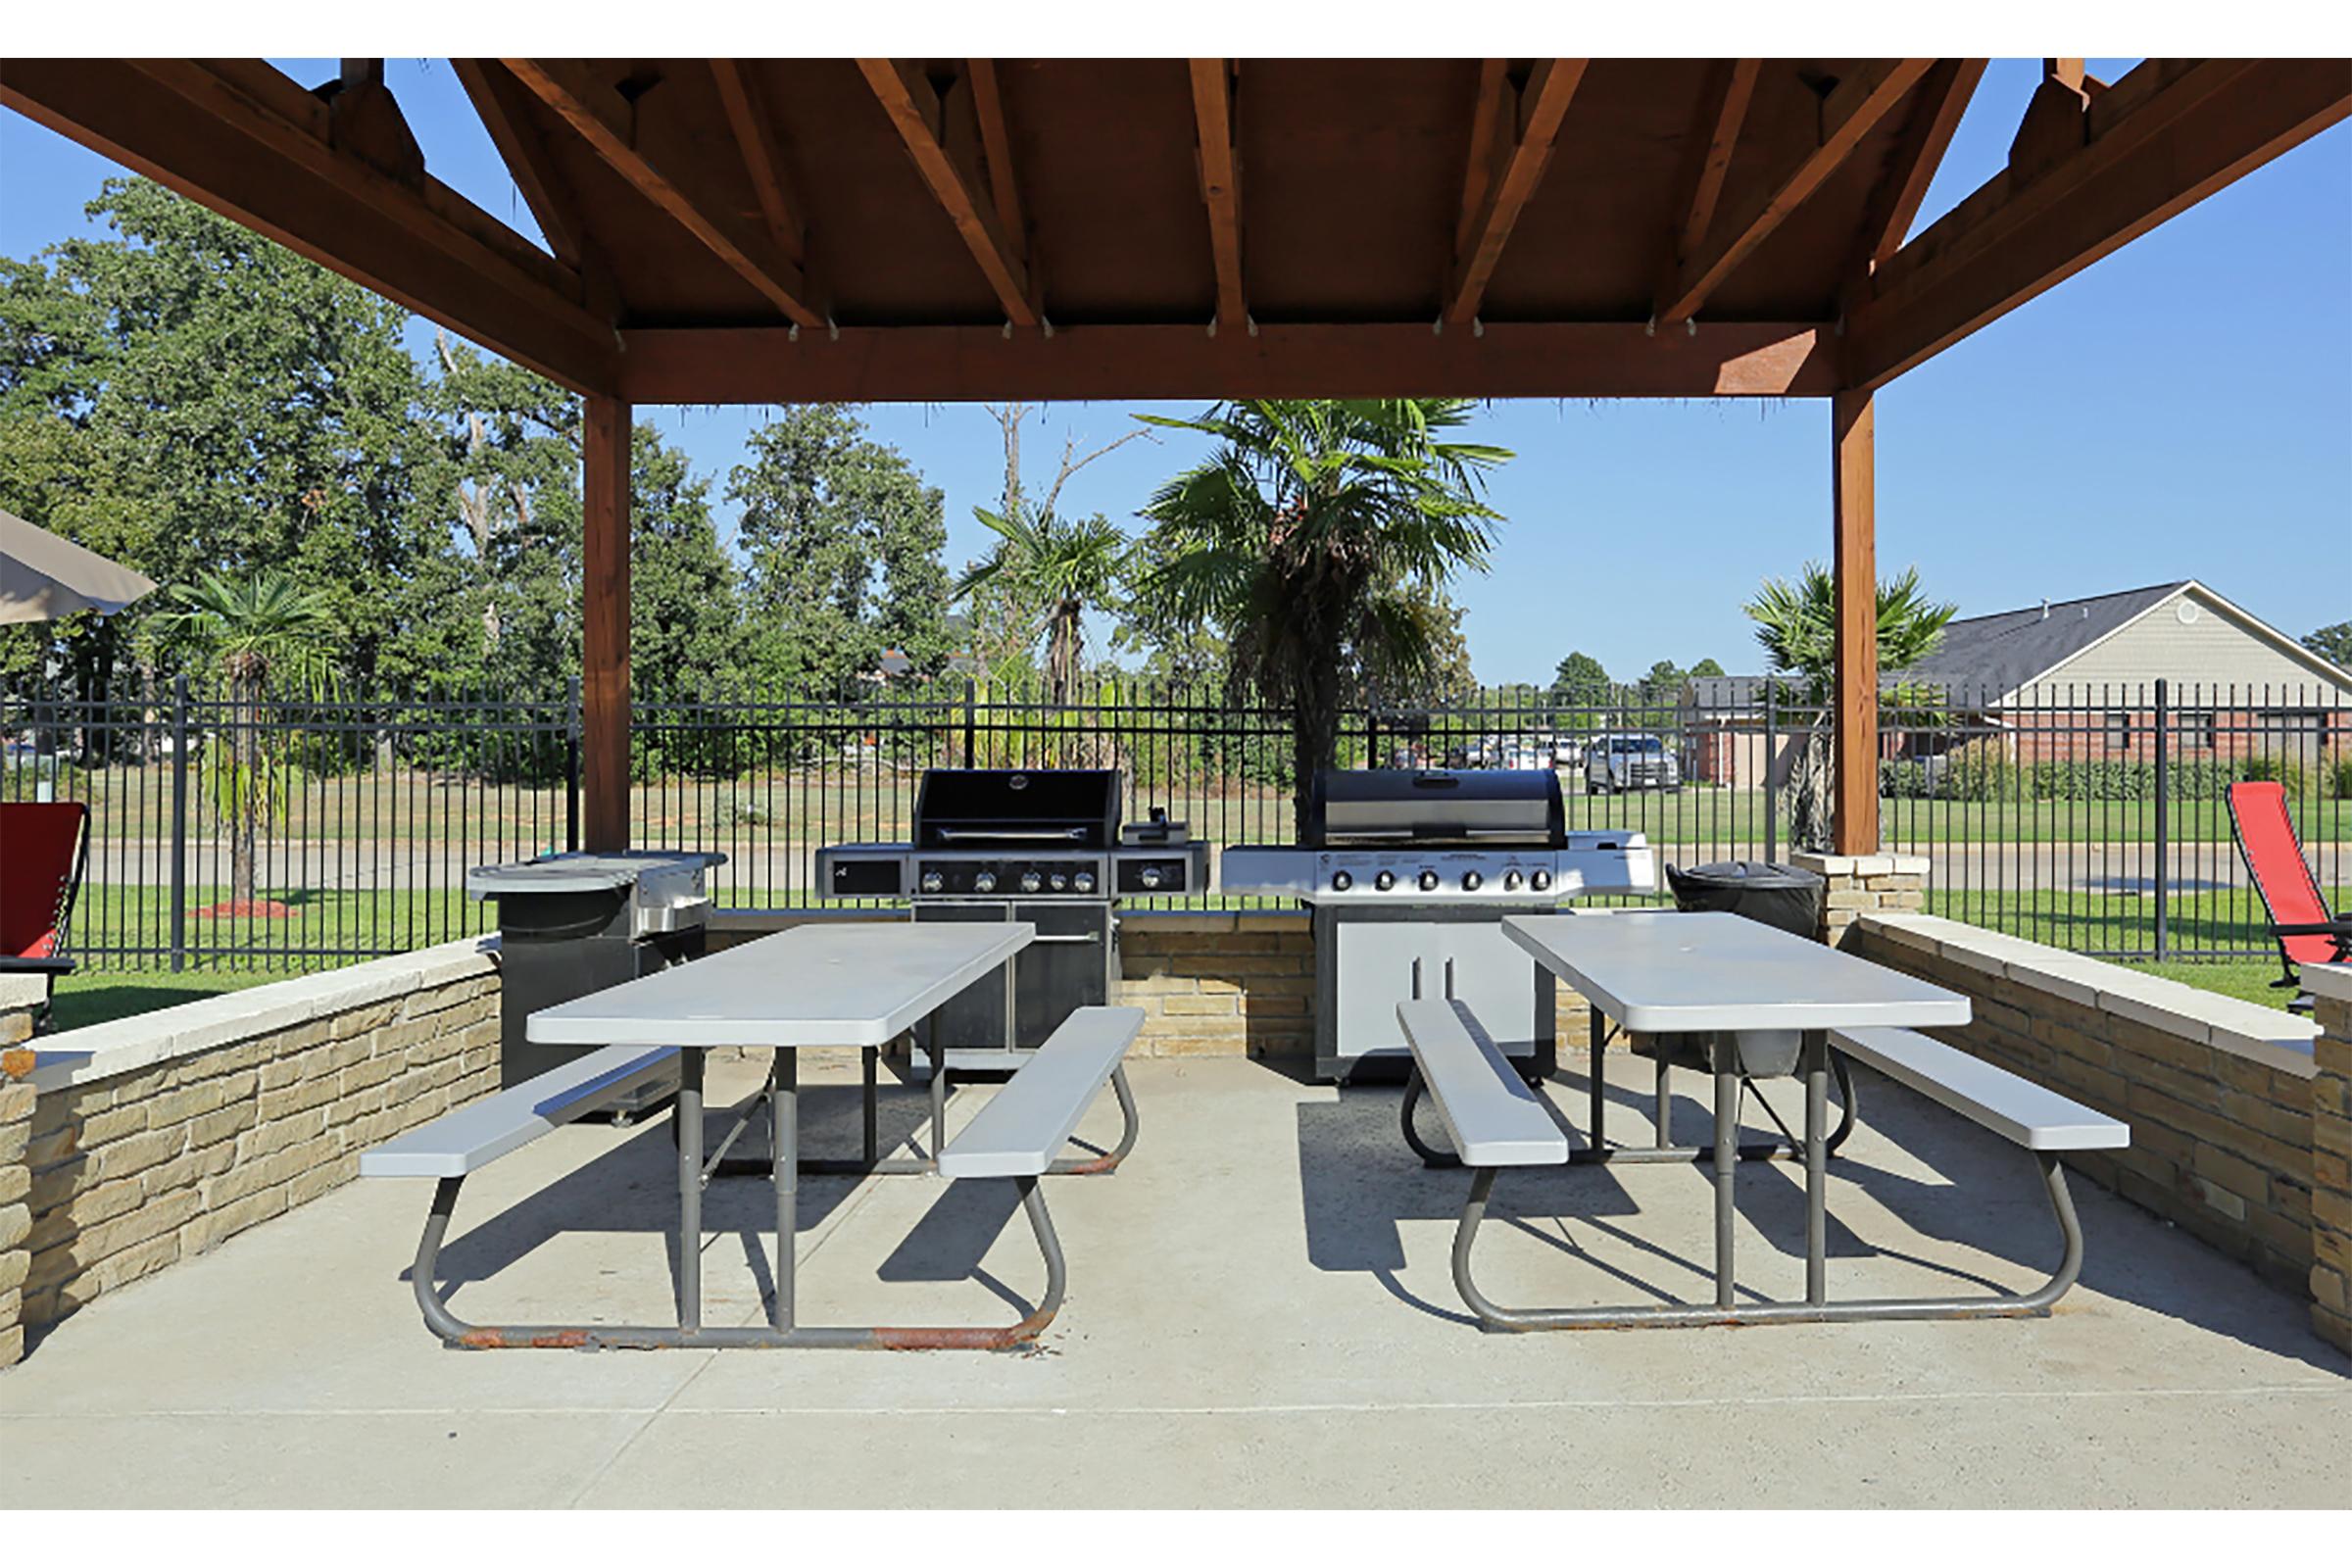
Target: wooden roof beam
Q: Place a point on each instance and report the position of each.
(2163, 138)
(1943, 97)
(764, 159)
(605, 121)
(503, 105)
(1516, 132)
(1706, 159)
(1221, 184)
(974, 364)
(920, 116)
(246, 140)
(1849, 115)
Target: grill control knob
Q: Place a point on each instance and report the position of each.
(1427, 881)
(1149, 876)
(1084, 882)
(1384, 881)
(1511, 880)
(1539, 880)
(933, 882)
(1060, 882)
(1031, 882)
(1341, 881)
(1471, 881)
(985, 882)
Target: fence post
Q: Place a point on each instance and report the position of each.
(970, 693)
(2163, 792)
(571, 768)
(179, 822)
(1771, 794)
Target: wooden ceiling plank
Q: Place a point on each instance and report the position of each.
(195, 128)
(1220, 185)
(501, 103)
(1943, 97)
(764, 159)
(914, 111)
(2202, 128)
(602, 117)
(1857, 105)
(971, 364)
(1706, 159)
(1542, 105)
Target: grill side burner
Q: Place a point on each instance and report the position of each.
(1409, 874)
(1042, 845)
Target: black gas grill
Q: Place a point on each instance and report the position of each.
(1040, 845)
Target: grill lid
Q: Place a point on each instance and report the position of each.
(994, 807)
(1435, 806)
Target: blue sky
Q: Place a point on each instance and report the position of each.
(2184, 409)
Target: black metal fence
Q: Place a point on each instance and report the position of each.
(238, 830)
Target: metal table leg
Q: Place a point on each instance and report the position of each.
(784, 1141)
(939, 1096)
(1727, 1159)
(690, 1189)
(1817, 1167)
(1597, 1032)
(872, 1063)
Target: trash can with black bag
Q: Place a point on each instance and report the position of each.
(1785, 897)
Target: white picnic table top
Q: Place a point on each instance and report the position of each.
(813, 985)
(1664, 971)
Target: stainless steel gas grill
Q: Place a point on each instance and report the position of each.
(1045, 846)
(1410, 875)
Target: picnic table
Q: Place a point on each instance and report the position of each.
(1757, 1000)
(810, 986)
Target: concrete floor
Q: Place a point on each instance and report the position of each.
(1260, 1313)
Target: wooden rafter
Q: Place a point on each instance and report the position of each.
(604, 120)
(995, 146)
(2160, 140)
(503, 105)
(764, 159)
(1220, 184)
(1857, 105)
(956, 363)
(1706, 159)
(253, 145)
(1527, 138)
(1943, 97)
(914, 110)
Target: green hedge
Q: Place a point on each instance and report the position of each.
(1978, 772)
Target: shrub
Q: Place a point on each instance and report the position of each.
(2272, 767)
(1980, 770)
(2340, 776)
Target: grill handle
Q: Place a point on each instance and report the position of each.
(1089, 939)
(958, 835)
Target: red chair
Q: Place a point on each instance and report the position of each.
(42, 851)
(2306, 930)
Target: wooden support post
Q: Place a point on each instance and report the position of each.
(605, 626)
(1854, 702)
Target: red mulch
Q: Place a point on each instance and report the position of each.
(247, 910)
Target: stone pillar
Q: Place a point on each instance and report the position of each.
(2332, 1158)
(16, 1198)
(1877, 883)
(22, 997)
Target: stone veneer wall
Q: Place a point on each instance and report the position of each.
(2219, 1092)
(2331, 1159)
(127, 1145)
(1864, 884)
(16, 1199)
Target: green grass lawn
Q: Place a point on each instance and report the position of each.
(2248, 980)
(101, 996)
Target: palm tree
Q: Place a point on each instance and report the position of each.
(263, 631)
(1313, 537)
(1797, 626)
(1051, 571)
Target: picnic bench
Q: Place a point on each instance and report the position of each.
(1493, 1121)
(1018, 1135)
